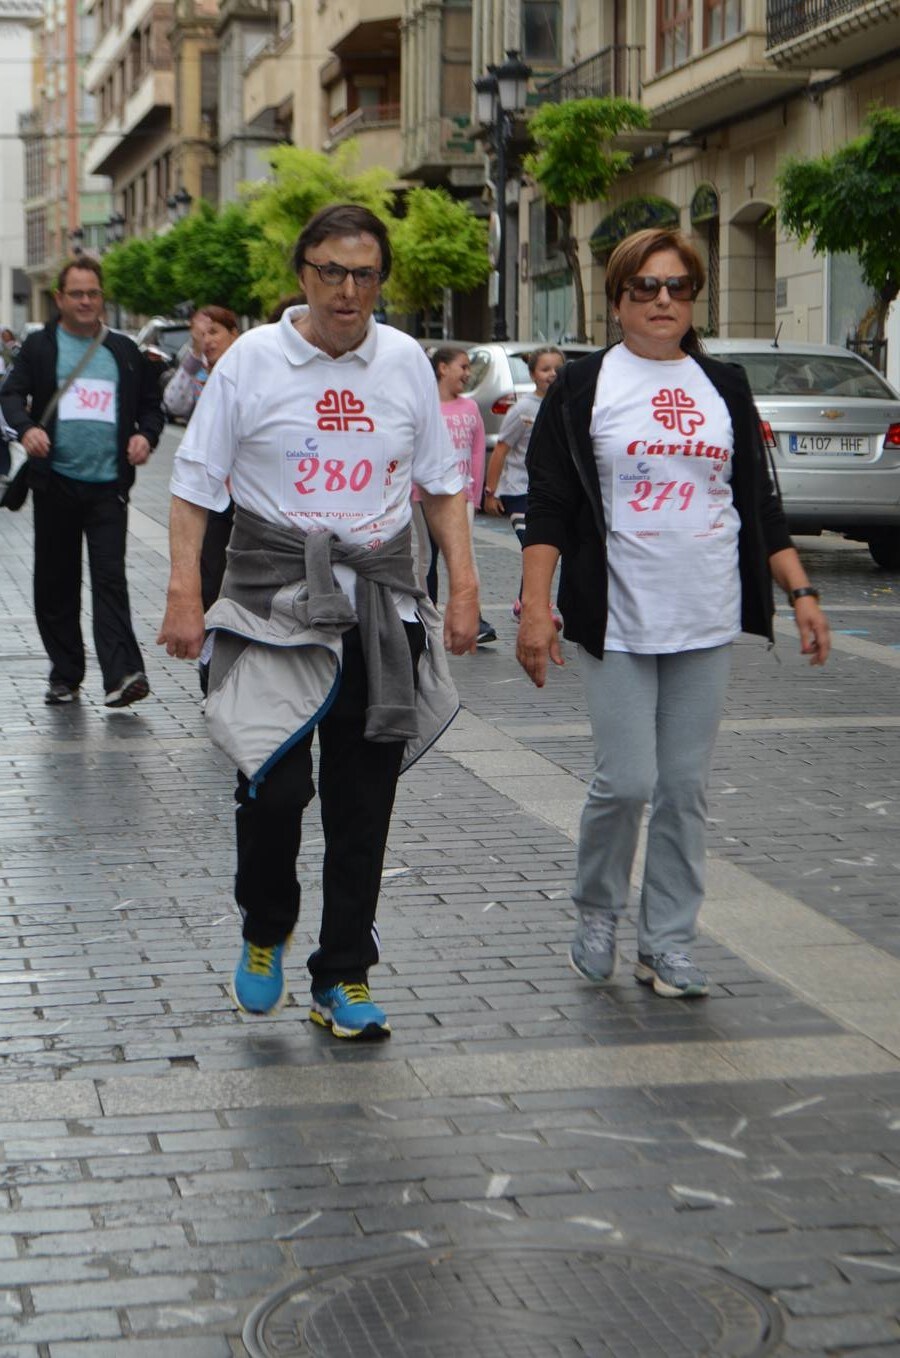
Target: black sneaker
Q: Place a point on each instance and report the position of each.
(129, 690)
(59, 692)
(485, 632)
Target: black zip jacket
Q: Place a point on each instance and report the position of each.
(565, 506)
(34, 375)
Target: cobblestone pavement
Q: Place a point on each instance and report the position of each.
(168, 1162)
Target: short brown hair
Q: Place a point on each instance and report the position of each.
(445, 355)
(82, 262)
(628, 258)
(532, 358)
(343, 219)
(629, 255)
(221, 315)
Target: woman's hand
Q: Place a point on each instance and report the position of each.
(493, 505)
(538, 638)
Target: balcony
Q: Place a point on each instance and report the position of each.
(807, 34)
(113, 40)
(723, 83)
(442, 150)
(148, 106)
(377, 132)
(31, 123)
(611, 71)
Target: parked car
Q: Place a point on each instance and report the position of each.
(832, 425)
(162, 339)
(500, 376)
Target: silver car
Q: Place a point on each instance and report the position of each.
(832, 424)
(500, 376)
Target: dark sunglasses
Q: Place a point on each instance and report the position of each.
(644, 288)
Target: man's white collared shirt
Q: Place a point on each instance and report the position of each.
(304, 438)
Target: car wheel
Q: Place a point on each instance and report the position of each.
(885, 550)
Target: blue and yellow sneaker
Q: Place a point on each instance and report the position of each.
(258, 983)
(349, 1011)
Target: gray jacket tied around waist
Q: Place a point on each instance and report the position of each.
(276, 660)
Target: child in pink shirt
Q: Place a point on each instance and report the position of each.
(466, 429)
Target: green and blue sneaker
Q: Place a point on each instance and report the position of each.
(349, 1011)
(258, 983)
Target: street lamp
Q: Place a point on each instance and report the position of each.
(76, 238)
(115, 229)
(500, 97)
(179, 205)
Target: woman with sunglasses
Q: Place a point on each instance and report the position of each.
(648, 477)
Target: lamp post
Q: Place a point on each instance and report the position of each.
(500, 98)
(76, 239)
(115, 229)
(179, 205)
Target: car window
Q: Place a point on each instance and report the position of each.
(780, 374)
(172, 340)
(518, 368)
(479, 362)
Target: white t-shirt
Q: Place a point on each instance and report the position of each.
(516, 432)
(664, 447)
(318, 441)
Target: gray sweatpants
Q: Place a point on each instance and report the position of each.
(654, 720)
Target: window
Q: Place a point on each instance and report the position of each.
(721, 19)
(209, 91)
(673, 38)
(541, 31)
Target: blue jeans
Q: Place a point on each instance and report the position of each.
(654, 720)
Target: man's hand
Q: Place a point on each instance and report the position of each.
(138, 450)
(538, 638)
(461, 622)
(183, 628)
(36, 441)
(815, 634)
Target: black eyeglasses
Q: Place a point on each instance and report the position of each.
(79, 294)
(334, 274)
(644, 288)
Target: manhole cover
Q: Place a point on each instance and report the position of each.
(515, 1302)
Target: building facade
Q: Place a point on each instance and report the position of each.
(64, 208)
(733, 88)
(19, 21)
(154, 76)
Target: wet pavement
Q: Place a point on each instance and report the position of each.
(168, 1164)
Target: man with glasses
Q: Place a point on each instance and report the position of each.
(85, 405)
(320, 424)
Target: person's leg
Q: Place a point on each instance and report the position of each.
(486, 632)
(57, 578)
(515, 506)
(692, 687)
(268, 828)
(357, 784)
(105, 527)
(621, 693)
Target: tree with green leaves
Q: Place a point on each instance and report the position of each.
(203, 259)
(301, 183)
(127, 276)
(211, 262)
(438, 244)
(847, 202)
(574, 162)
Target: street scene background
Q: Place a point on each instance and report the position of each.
(168, 1163)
